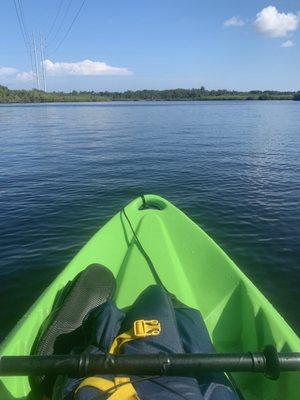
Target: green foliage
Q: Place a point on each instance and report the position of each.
(38, 96)
(297, 96)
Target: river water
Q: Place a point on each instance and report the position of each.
(65, 169)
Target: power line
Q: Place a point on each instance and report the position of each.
(37, 60)
(70, 27)
(37, 67)
(62, 21)
(22, 15)
(55, 19)
(25, 38)
(23, 20)
(22, 24)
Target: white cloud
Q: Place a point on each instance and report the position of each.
(13, 74)
(25, 76)
(81, 68)
(7, 71)
(86, 67)
(288, 43)
(270, 22)
(234, 21)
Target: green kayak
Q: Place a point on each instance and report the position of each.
(190, 265)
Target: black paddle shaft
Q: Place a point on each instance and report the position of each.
(269, 362)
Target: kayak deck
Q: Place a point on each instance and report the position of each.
(190, 265)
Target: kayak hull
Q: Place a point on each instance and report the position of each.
(193, 267)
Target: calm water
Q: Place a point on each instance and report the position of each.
(231, 166)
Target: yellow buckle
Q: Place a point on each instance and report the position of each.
(144, 328)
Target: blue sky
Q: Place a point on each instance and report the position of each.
(136, 44)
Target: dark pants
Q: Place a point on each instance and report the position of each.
(182, 331)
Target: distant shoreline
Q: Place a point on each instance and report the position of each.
(8, 96)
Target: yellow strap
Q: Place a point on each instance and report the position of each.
(120, 380)
(141, 328)
(96, 382)
(124, 392)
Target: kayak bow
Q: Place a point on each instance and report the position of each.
(191, 265)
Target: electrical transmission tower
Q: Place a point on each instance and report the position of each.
(42, 47)
(36, 46)
(36, 63)
(39, 62)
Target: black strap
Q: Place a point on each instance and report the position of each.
(143, 251)
(144, 201)
(272, 362)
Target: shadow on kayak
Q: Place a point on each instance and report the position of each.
(252, 324)
(5, 395)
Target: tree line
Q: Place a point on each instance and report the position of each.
(39, 96)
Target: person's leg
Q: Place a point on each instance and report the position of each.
(155, 304)
(192, 329)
